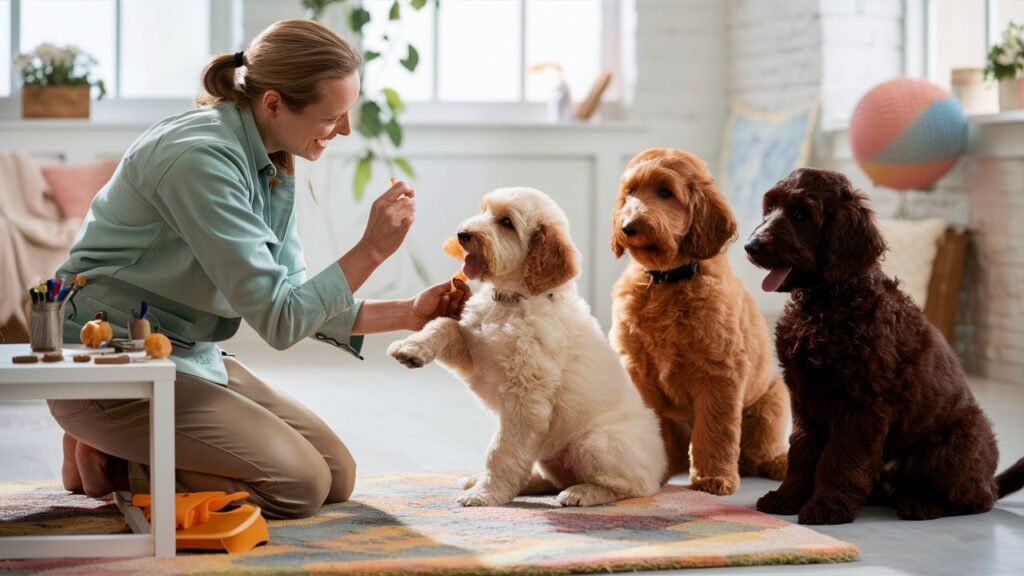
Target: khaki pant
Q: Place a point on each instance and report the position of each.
(245, 436)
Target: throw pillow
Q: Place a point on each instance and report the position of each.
(74, 185)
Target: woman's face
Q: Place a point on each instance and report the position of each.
(306, 133)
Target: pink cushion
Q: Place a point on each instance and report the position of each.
(74, 185)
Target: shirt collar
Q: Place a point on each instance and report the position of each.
(257, 151)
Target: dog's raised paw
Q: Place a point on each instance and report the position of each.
(717, 485)
(410, 354)
(826, 512)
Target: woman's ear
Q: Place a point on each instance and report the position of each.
(551, 260)
(712, 224)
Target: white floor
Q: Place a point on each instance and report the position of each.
(397, 420)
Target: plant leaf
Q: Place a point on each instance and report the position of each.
(369, 119)
(410, 61)
(358, 18)
(404, 165)
(394, 100)
(394, 14)
(417, 4)
(394, 132)
(370, 55)
(363, 172)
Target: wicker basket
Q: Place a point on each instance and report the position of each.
(55, 101)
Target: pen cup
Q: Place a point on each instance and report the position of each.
(46, 326)
(138, 330)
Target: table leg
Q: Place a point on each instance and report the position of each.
(161, 448)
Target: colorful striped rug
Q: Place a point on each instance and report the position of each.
(411, 524)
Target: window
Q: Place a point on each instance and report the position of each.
(960, 33)
(473, 51)
(143, 48)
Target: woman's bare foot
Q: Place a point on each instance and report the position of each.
(101, 473)
(69, 470)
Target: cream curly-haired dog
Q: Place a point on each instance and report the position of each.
(569, 418)
(690, 335)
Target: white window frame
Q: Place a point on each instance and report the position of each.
(921, 41)
(225, 36)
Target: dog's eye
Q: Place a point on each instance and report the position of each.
(797, 214)
(665, 193)
(507, 223)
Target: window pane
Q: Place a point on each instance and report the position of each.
(165, 44)
(415, 27)
(1007, 11)
(88, 24)
(568, 33)
(960, 29)
(5, 50)
(479, 51)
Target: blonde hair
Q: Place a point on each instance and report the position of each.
(292, 57)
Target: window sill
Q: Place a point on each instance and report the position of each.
(1004, 117)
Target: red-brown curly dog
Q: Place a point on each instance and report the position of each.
(687, 331)
(881, 406)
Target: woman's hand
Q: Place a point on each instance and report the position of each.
(438, 301)
(391, 216)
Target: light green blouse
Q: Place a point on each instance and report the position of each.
(189, 224)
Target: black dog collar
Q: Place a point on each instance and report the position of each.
(684, 272)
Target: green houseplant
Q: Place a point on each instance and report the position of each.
(377, 117)
(56, 82)
(1004, 63)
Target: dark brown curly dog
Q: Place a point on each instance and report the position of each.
(881, 407)
(688, 332)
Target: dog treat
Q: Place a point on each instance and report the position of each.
(53, 357)
(459, 291)
(28, 359)
(81, 357)
(117, 359)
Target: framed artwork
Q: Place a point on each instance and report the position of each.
(758, 150)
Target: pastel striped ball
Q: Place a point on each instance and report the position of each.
(907, 133)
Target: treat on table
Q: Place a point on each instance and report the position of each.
(53, 357)
(113, 359)
(81, 357)
(26, 359)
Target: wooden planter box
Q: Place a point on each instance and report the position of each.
(55, 101)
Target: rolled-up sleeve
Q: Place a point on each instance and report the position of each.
(204, 197)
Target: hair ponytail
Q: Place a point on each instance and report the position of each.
(219, 82)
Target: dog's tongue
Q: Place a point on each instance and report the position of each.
(473, 266)
(774, 279)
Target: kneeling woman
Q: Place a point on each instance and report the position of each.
(199, 222)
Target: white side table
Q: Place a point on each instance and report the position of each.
(153, 379)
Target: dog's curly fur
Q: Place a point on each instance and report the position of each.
(880, 403)
(698, 349)
(568, 417)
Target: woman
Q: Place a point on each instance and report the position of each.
(198, 221)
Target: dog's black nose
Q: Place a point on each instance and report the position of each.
(753, 246)
(464, 236)
(629, 230)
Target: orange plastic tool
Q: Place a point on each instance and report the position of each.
(191, 508)
(238, 530)
(201, 527)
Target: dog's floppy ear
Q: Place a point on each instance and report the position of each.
(617, 248)
(852, 240)
(551, 260)
(712, 224)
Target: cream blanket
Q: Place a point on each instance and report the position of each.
(34, 238)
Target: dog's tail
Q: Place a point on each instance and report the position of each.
(1011, 480)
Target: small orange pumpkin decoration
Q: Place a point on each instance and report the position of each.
(96, 331)
(157, 346)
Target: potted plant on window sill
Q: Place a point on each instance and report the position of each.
(1005, 63)
(56, 82)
